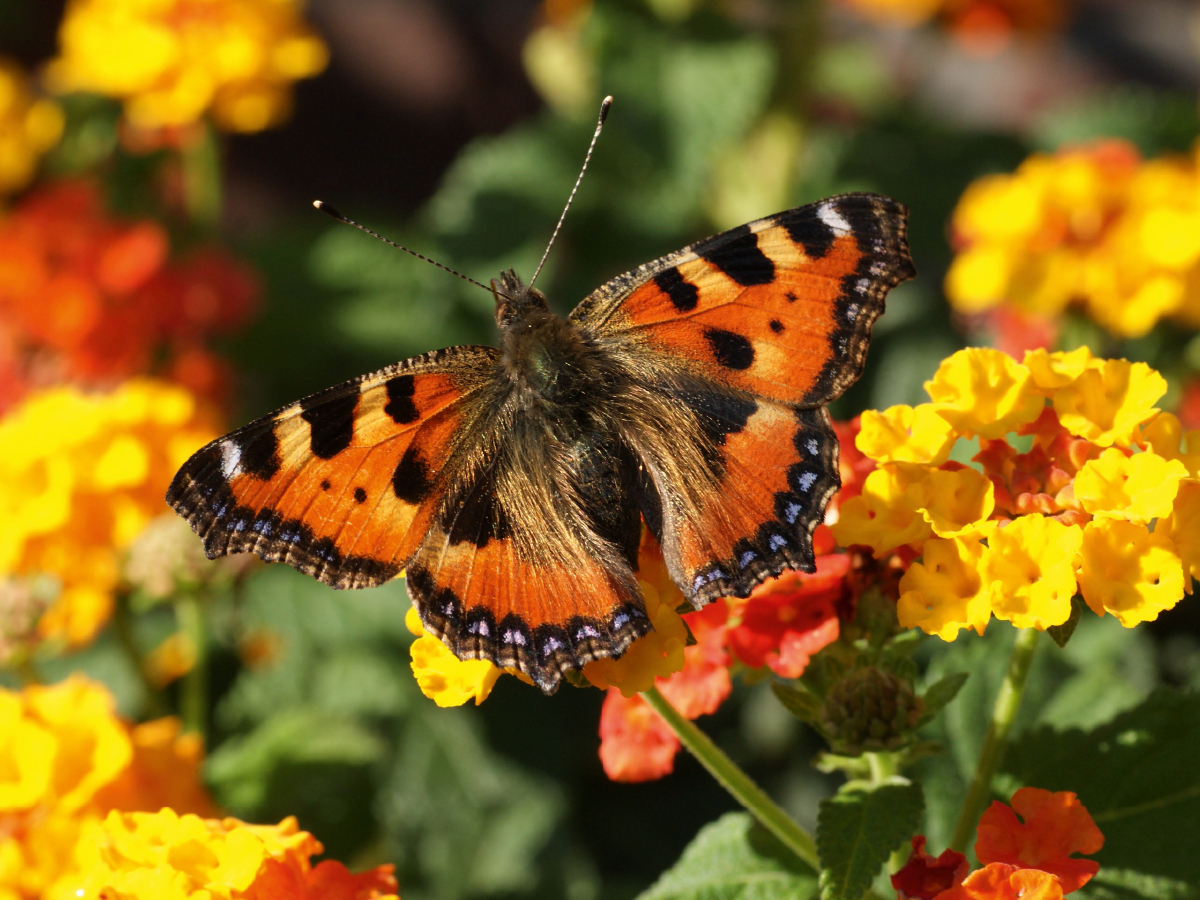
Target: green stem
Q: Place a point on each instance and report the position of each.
(737, 782)
(995, 742)
(194, 700)
(156, 702)
(201, 161)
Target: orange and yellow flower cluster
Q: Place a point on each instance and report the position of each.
(147, 856)
(66, 761)
(80, 477)
(94, 807)
(174, 61)
(88, 299)
(1080, 486)
(1030, 858)
(1094, 226)
(29, 126)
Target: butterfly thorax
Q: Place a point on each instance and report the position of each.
(541, 353)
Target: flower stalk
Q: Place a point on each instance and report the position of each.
(202, 178)
(737, 782)
(189, 609)
(995, 742)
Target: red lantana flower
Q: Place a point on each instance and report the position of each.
(923, 877)
(1028, 860)
(788, 619)
(1055, 826)
(91, 299)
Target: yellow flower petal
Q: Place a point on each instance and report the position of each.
(945, 592)
(1030, 567)
(887, 514)
(1139, 487)
(1106, 405)
(984, 392)
(959, 501)
(1052, 371)
(447, 680)
(1164, 434)
(1129, 572)
(906, 434)
(1182, 527)
(656, 654)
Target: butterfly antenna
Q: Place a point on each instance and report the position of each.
(604, 108)
(330, 211)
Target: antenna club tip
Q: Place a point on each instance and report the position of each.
(318, 204)
(605, 106)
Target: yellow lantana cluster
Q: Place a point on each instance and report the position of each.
(172, 61)
(29, 126)
(66, 760)
(1095, 226)
(167, 856)
(1105, 500)
(80, 476)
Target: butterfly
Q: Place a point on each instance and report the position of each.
(511, 484)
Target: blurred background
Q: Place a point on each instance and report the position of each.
(156, 221)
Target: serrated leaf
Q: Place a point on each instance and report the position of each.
(1137, 776)
(856, 832)
(940, 693)
(801, 703)
(735, 858)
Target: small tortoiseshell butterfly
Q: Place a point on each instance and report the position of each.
(512, 483)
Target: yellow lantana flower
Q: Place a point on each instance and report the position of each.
(80, 476)
(984, 392)
(1139, 487)
(1182, 527)
(945, 592)
(173, 61)
(658, 653)
(1053, 371)
(906, 434)
(29, 126)
(66, 759)
(1129, 572)
(959, 501)
(1106, 405)
(443, 677)
(1030, 565)
(1164, 433)
(148, 856)
(887, 514)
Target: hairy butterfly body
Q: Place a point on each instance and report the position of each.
(511, 484)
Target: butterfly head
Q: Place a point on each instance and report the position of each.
(514, 300)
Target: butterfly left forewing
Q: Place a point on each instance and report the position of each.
(341, 485)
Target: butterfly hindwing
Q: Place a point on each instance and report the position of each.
(781, 307)
(530, 562)
(341, 484)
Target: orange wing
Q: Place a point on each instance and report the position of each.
(342, 485)
(752, 332)
(780, 308)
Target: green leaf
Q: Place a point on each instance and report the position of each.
(800, 702)
(1062, 633)
(735, 858)
(858, 829)
(307, 763)
(1137, 776)
(940, 693)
